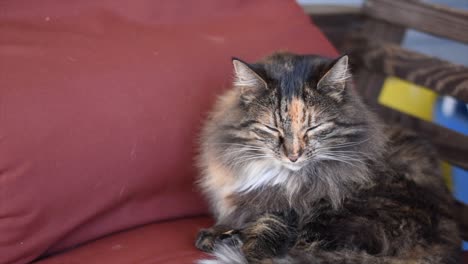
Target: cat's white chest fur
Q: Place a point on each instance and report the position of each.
(223, 183)
(259, 174)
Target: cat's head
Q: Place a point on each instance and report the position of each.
(295, 110)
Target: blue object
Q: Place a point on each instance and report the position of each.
(453, 114)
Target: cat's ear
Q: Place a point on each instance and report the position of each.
(247, 80)
(333, 82)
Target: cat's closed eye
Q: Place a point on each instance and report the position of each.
(320, 129)
(314, 127)
(273, 129)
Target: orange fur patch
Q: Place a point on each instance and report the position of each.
(296, 114)
(219, 179)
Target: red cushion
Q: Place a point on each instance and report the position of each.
(101, 102)
(162, 243)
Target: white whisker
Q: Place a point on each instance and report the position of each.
(244, 159)
(348, 144)
(328, 157)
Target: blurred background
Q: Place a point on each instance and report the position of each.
(415, 40)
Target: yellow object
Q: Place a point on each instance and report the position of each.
(414, 100)
(408, 98)
(447, 174)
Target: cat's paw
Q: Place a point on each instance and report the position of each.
(205, 240)
(270, 236)
(231, 238)
(208, 238)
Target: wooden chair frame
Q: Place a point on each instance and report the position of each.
(371, 36)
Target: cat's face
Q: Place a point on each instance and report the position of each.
(295, 112)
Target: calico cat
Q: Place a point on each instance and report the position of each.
(298, 170)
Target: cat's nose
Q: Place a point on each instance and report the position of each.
(292, 150)
(293, 157)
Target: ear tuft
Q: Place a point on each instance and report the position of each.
(334, 81)
(247, 80)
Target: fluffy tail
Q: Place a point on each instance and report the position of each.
(226, 254)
